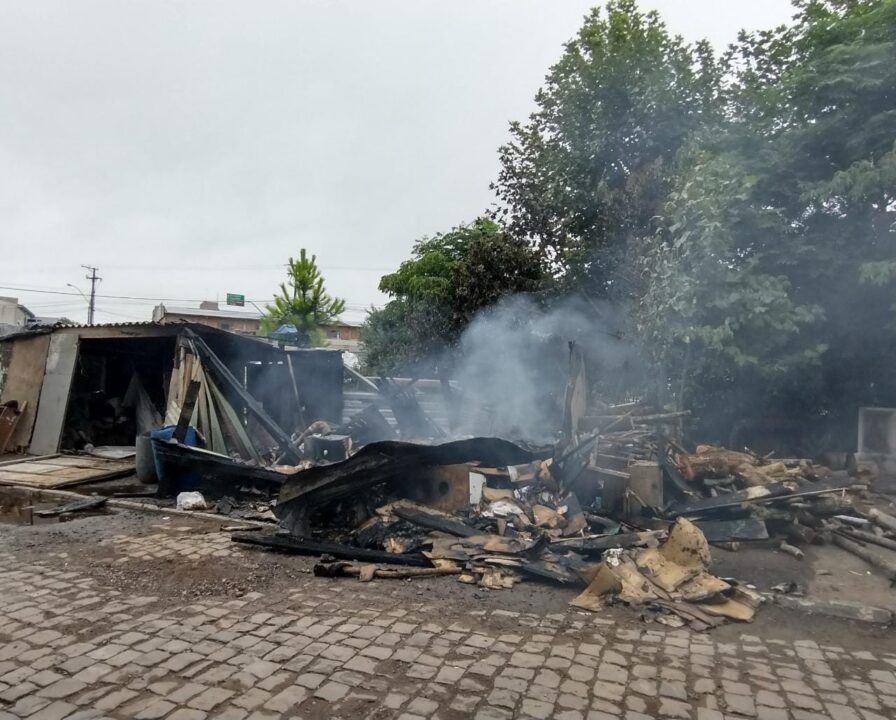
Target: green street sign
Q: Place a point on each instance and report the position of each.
(234, 299)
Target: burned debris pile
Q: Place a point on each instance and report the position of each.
(494, 513)
(616, 508)
(587, 512)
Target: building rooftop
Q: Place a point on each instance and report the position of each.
(209, 312)
(228, 313)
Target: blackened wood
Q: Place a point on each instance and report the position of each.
(772, 492)
(597, 545)
(381, 462)
(750, 528)
(432, 521)
(302, 546)
(74, 506)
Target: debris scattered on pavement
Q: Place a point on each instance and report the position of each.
(616, 503)
(191, 501)
(615, 507)
(671, 577)
(75, 506)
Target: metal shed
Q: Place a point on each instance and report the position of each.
(62, 376)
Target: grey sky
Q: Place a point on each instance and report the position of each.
(189, 148)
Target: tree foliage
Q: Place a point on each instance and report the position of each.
(742, 207)
(774, 265)
(433, 295)
(302, 301)
(586, 175)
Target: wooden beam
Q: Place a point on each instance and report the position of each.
(888, 568)
(360, 378)
(221, 371)
(867, 537)
(186, 410)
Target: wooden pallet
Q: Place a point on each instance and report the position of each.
(56, 471)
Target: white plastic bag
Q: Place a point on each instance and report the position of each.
(191, 501)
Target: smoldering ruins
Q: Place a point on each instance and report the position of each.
(533, 463)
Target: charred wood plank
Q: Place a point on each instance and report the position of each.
(303, 546)
(760, 494)
(750, 528)
(542, 571)
(799, 534)
(342, 569)
(597, 544)
(72, 507)
(433, 521)
(675, 478)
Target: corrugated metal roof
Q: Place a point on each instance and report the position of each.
(133, 323)
(43, 329)
(199, 312)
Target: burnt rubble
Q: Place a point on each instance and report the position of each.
(618, 507)
(615, 508)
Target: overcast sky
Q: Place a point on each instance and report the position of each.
(189, 148)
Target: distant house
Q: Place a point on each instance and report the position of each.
(340, 335)
(13, 316)
(242, 322)
(343, 335)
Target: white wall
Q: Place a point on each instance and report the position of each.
(11, 313)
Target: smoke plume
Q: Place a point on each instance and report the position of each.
(513, 363)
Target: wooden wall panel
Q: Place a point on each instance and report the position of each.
(23, 379)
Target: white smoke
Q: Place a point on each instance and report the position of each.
(513, 363)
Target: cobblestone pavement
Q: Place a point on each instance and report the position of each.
(71, 647)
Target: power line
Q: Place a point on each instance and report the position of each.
(324, 268)
(144, 299)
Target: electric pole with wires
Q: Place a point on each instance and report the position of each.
(94, 279)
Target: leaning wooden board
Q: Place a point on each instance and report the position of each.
(61, 471)
(9, 418)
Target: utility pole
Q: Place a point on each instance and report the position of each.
(93, 281)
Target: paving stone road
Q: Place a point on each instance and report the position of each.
(72, 647)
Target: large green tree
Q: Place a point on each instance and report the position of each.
(590, 170)
(449, 278)
(774, 267)
(302, 301)
(744, 206)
